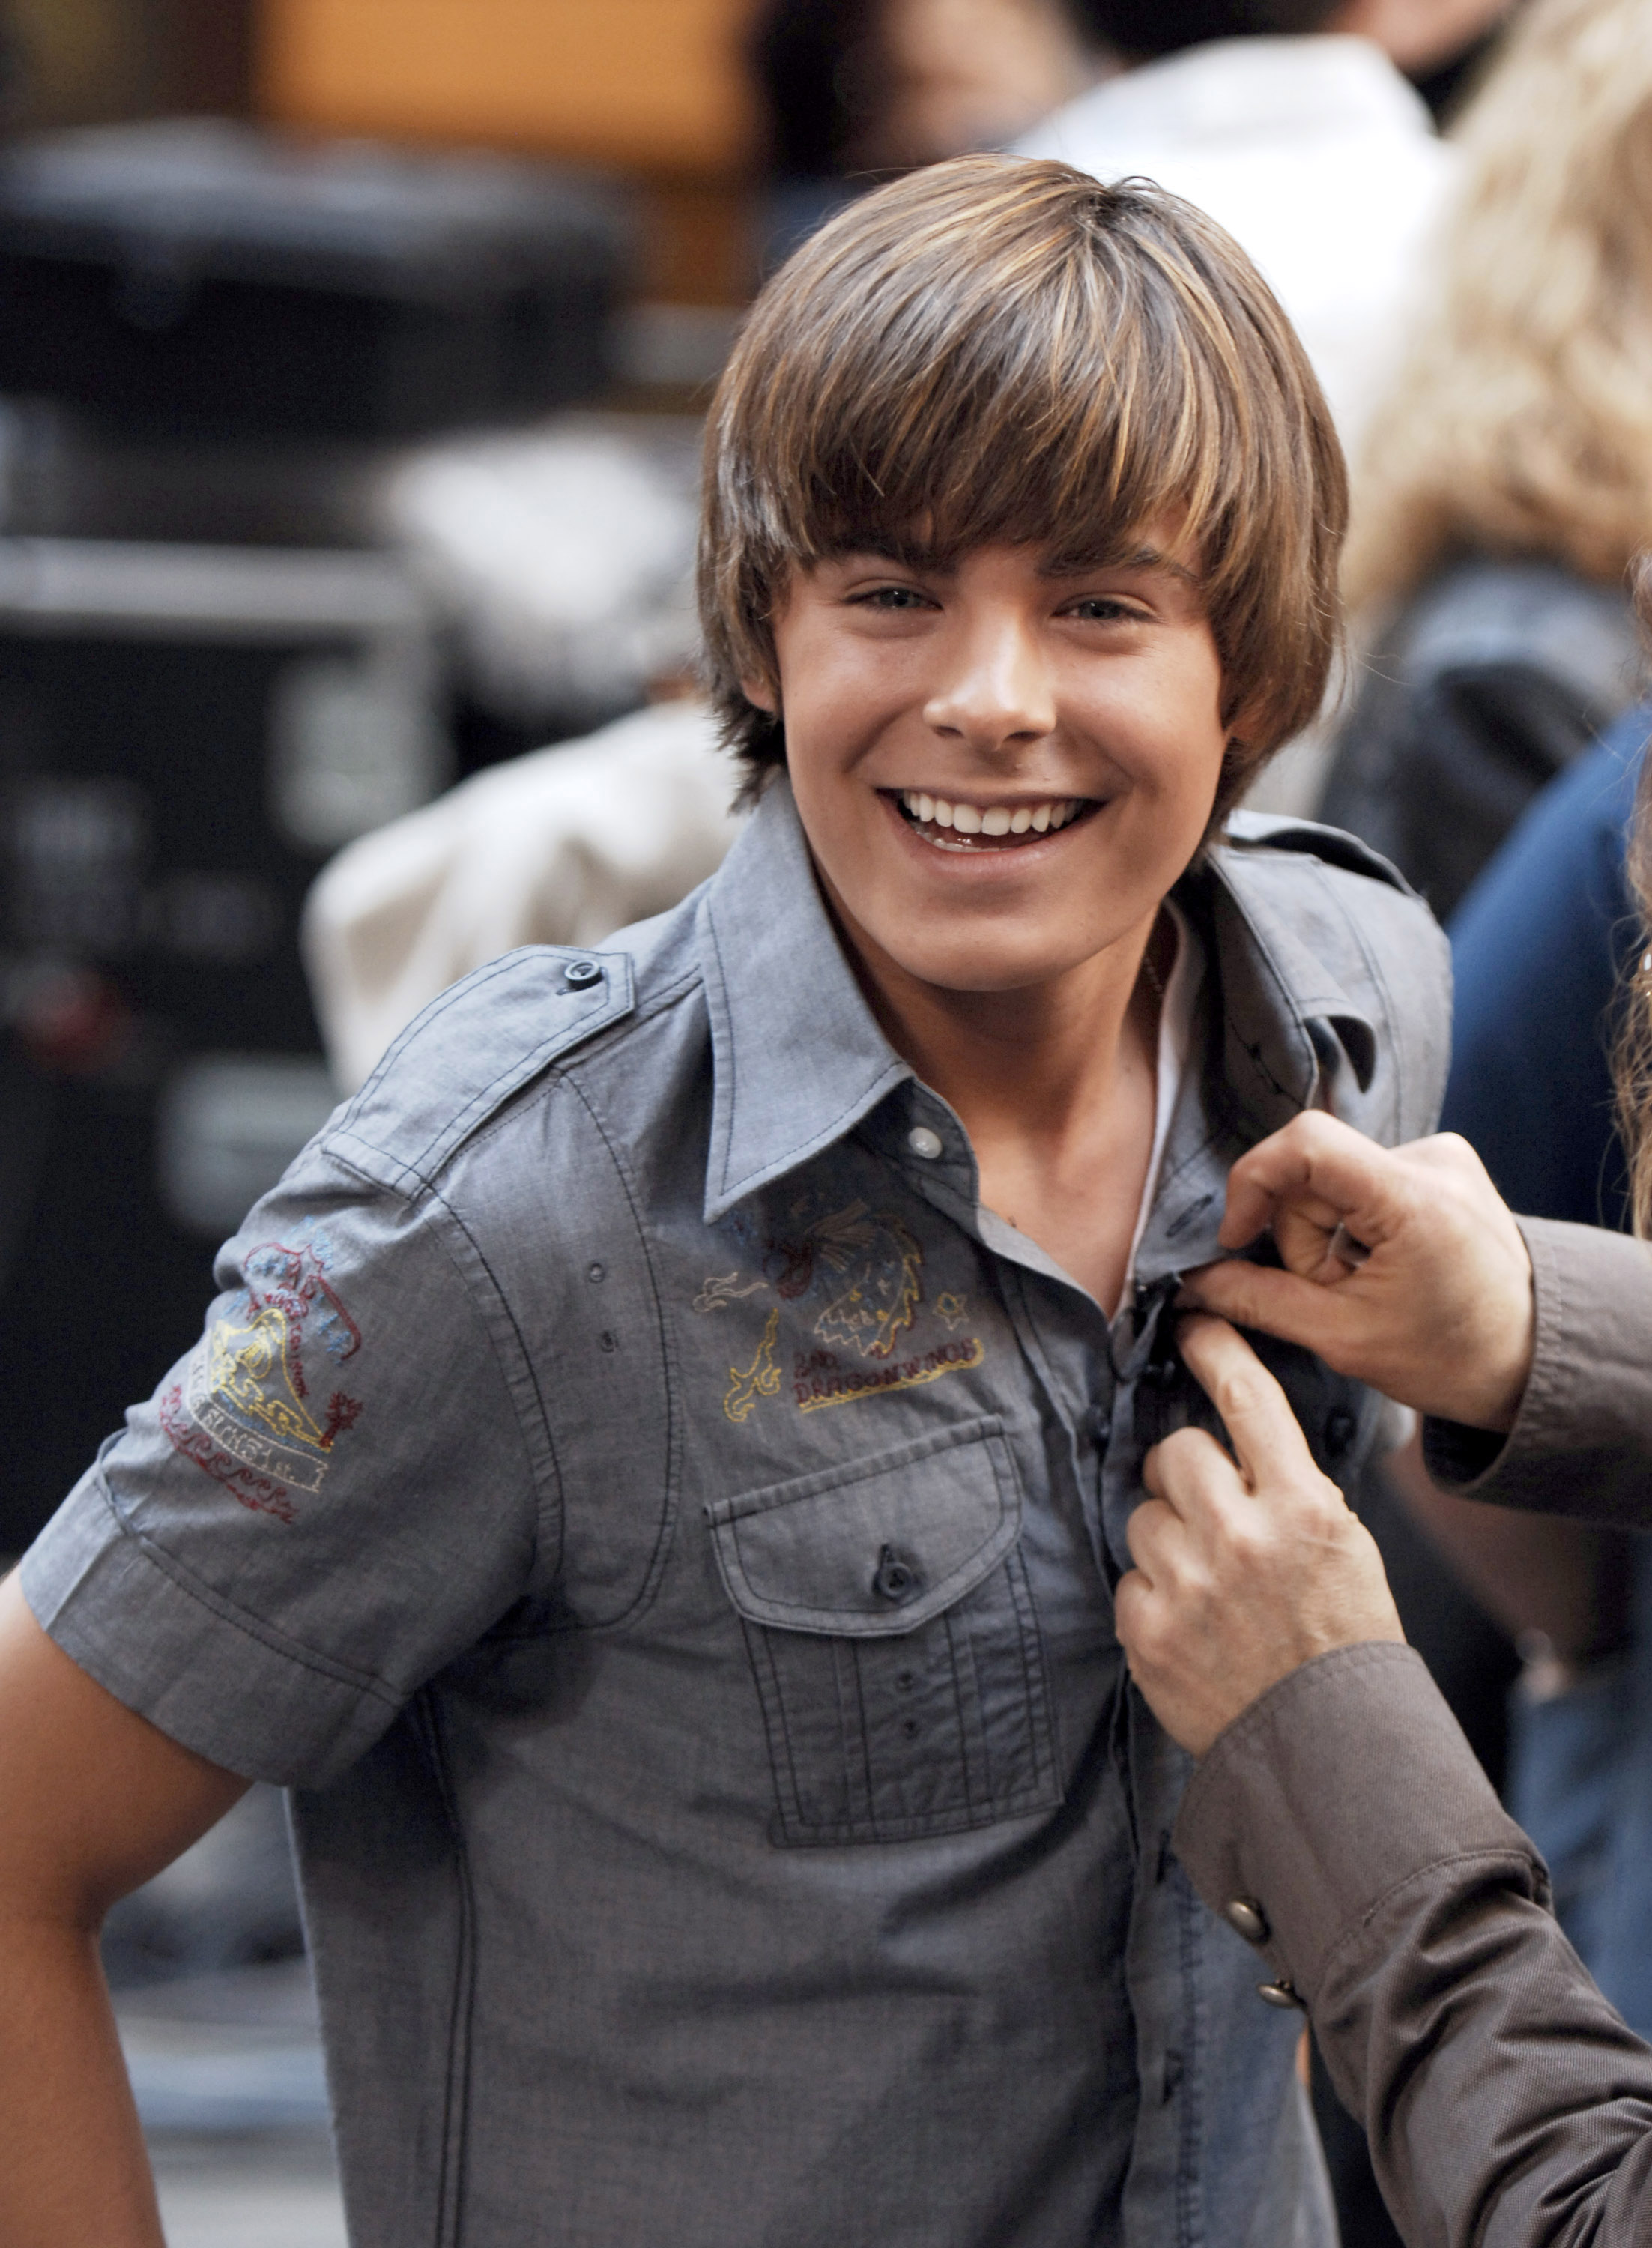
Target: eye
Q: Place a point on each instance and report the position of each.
(891, 598)
(1103, 609)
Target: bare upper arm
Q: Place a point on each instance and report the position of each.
(97, 1799)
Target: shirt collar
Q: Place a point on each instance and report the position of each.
(796, 1056)
(798, 1060)
(1288, 1020)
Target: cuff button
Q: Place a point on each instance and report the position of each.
(1280, 1994)
(1246, 1916)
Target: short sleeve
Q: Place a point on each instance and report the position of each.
(327, 1501)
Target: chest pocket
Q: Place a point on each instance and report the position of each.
(891, 1628)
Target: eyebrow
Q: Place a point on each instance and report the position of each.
(911, 554)
(1144, 558)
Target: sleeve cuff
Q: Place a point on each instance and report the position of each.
(1581, 1442)
(213, 1679)
(1342, 1782)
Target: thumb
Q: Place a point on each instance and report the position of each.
(1281, 1304)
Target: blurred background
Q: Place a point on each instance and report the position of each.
(353, 357)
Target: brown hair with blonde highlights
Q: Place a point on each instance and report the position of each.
(993, 351)
(1519, 422)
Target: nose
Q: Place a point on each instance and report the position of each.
(993, 692)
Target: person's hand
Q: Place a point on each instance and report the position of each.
(1242, 1573)
(1403, 1266)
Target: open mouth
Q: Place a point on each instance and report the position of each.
(954, 824)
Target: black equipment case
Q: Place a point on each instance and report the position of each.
(200, 278)
(185, 733)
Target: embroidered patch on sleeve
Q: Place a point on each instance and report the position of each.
(251, 1410)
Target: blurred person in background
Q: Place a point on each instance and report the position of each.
(1292, 124)
(852, 90)
(1336, 1817)
(1541, 947)
(1507, 479)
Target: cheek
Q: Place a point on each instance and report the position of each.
(1171, 736)
(838, 704)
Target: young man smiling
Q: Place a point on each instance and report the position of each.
(654, 1481)
(1002, 766)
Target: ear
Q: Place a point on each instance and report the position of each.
(761, 695)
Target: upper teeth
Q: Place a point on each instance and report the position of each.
(991, 818)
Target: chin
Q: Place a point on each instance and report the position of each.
(986, 968)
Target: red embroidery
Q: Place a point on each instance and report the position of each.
(258, 1492)
(294, 1286)
(342, 1413)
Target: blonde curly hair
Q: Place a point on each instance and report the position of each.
(1520, 421)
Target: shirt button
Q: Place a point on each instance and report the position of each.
(1246, 1916)
(924, 1142)
(893, 1580)
(1281, 1995)
(580, 973)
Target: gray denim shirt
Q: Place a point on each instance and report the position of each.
(663, 1529)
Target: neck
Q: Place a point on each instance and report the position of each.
(1031, 1068)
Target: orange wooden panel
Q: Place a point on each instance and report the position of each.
(650, 85)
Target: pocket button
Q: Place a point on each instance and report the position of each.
(894, 1580)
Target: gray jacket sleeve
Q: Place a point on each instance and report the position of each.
(1582, 1442)
(1506, 2104)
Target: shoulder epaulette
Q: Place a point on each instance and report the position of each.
(471, 1050)
(1311, 838)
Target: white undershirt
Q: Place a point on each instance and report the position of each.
(1175, 1049)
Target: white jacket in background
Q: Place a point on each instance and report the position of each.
(1314, 154)
(559, 848)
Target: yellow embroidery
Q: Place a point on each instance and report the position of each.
(761, 1378)
(952, 1309)
(831, 1388)
(882, 1299)
(723, 1289)
(249, 1369)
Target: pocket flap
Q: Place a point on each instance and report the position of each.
(878, 1546)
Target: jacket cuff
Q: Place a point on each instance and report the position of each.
(1581, 1442)
(1341, 1782)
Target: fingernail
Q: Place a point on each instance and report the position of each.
(1343, 1246)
